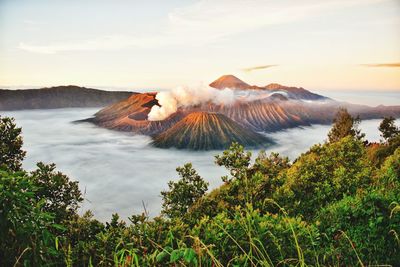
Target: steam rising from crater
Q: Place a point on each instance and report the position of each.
(184, 96)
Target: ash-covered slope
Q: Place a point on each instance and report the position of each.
(58, 97)
(270, 114)
(207, 131)
(232, 82)
(130, 115)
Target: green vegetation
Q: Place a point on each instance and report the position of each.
(388, 129)
(343, 125)
(11, 154)
(336, 205)
(184, 193)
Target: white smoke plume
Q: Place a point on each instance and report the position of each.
(184, 96)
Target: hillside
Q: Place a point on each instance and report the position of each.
(272, 115)
(58, 97)
(207, 131)
(130, 115)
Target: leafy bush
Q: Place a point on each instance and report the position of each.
(324, 174)
(62, 196)
(250, 238)
(184, 193)
(11, 153)
(25, 228)
(362, 229)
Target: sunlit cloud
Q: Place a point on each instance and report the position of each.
(204, 22)
(259, 67)
(112, 42)
(382, 65)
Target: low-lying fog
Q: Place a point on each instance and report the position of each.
(118, 171)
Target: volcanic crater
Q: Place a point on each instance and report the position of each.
(209, 125)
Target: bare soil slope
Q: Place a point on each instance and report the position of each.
(207, 131)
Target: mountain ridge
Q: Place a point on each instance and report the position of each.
(232, 82)
(65, 96)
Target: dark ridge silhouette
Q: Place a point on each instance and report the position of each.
(70, 96)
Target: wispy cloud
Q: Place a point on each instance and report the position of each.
(383, 65)
(205, 21)
(111, 42)
(259, 67)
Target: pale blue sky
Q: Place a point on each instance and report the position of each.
(161, 44)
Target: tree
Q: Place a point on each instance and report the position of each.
(343, 125)
(62, 196)
(388, 128)
(236, 160)
(11, 153)
(326, 173)
(183, 193)
(269, 166)
(25, 228)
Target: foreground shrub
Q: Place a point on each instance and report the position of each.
(323, 175)
(362, 229)
(25, 228)
(250, 238)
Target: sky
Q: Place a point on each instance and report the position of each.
(319, 45)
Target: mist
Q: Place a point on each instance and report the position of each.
(370, 98)
(185, 96)
(117, 171)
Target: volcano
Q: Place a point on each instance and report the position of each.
(130, 115)
(229, 81)
(232, 82)
(208, 131)
(208, 125)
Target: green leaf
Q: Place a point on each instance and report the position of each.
(175, 256)
(59, 227)
(189, 255)
(56, 242)
(161, 256)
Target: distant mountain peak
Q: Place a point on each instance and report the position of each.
(229, 81)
